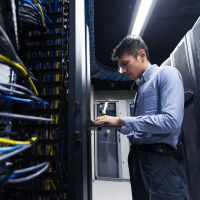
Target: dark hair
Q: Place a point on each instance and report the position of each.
(131, 44)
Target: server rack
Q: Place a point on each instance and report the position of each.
(45, 51)
(186, 58)
(57, 54)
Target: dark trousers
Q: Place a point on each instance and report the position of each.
(156, 176)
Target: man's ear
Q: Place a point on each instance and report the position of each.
(142, 54)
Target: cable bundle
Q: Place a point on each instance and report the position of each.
(8, 152)
(11, 59)
(32, 11)
(18, 90)
(12, 178)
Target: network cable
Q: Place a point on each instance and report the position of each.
(30, 177)
(29, 168)
(48, 5)
(27, 12)
(30, 5)
(11, 91)
(27, 93)
(56, 6)
(21, 68)
(25, 117)
(15, 142)
(12, 178)
(28, 8)
(38, 9)
(13, 153)
(8, 48)
(41, 12)
(22, 100)
(44, 12)
(29, 19)
(8, 149)
(17, 86)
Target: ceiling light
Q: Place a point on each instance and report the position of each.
(142, 12)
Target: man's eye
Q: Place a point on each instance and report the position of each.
(125, 63)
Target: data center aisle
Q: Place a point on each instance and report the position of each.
(111, 190)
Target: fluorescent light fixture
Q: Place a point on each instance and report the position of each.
(141, 15)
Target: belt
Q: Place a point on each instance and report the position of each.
(160, 148)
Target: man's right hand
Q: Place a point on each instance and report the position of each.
(109, 120)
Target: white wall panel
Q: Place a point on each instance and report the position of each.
(125, 147)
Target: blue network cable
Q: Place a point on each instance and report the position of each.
(47, 2)
(33, 5)
(12, 148)
(9, 177)
(21, 100)
(46, 18)
(55, 5)
(5, 92)
(16, 173)
(44, 12)
(49, 77)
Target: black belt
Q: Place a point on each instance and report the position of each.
(160, 148)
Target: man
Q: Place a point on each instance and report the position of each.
(156, 170)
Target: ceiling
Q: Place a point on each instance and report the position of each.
(169, 22)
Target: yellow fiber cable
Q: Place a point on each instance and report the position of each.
(17, 65)
(32, 84)
(53, 185)
(40, 9)
(13, 63)
(14, 142)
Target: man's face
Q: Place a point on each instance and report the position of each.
(131, 66)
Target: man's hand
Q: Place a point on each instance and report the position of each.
(109, 120)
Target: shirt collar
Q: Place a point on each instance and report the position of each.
(146, 75)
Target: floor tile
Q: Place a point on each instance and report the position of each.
(111, 190)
